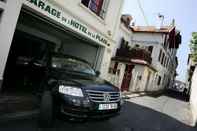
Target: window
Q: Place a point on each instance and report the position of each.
(150, 49)
(165, 42)
(164, 63)
(85, 2)
(1, 12)
(167, 63)
(159, 58)
(113, 69)
(164, 79)
(99, 7)
(124, 44)
(162, 60)
(159, 80)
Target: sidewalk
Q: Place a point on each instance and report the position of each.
(14, 107)
(171, 106)
(128, 95)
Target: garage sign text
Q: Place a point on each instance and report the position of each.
(69, 22)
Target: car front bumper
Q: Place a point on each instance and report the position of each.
(92, 114)
(88, 112)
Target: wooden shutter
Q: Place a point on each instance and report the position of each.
(104, 8)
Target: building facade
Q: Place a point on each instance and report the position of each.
(85, 29)
(145, 57)
(123, 35)
(163, 43)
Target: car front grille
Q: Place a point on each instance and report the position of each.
(103, 96)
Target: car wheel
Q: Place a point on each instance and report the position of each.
(46, 115)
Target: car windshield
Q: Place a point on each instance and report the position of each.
(71, 64)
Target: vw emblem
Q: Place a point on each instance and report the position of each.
(107, 97)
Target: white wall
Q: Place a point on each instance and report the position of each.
(78, 10)
(7, 28)
(122, 32)
(116, 79)
(140, 85)
(150, 86)
(157, 37)
(156, 40)
(193, 96)
(137, 84)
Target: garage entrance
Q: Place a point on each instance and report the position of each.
(35, 37)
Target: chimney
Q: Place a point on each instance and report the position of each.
(173, 22)
(133, 23)
(161, 18)
(126, 19)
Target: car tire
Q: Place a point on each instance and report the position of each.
(46, 115)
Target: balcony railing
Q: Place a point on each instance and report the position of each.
(135, 53)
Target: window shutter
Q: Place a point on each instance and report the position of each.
(160, 53)
(93, 6)
(99, 4)
(104, 8)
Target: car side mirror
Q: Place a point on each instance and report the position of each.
(98, 73)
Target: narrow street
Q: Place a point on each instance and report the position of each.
(162, 113)
(130, 63)
(171, 105)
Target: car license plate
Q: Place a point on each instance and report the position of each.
(108, 106)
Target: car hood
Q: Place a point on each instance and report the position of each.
(97, 84)
(86, 82)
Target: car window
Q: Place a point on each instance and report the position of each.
(71, 64)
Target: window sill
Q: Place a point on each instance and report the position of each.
(92, 13)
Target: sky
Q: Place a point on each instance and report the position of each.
(183, 11)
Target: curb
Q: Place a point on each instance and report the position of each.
(129, 95)
(134, 95)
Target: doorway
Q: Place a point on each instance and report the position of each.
(127, 77)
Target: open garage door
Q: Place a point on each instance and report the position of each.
(66, 41)
(33, 36)
(34, 33)
(24, 50)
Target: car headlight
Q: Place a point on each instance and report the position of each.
(70, 90)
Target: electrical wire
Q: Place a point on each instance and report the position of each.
(142, 10)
